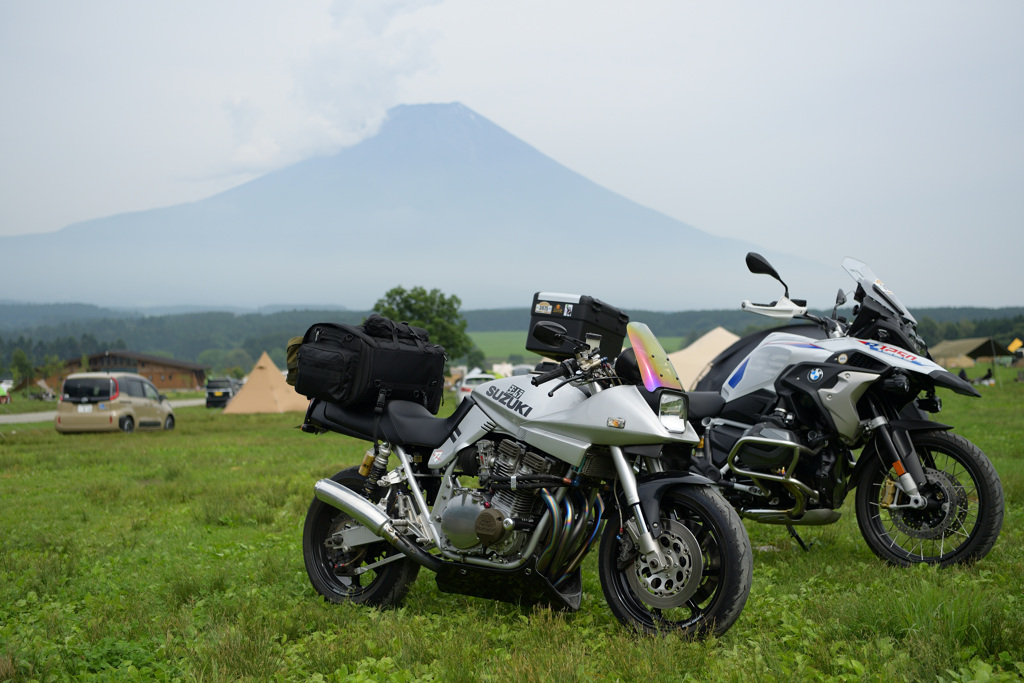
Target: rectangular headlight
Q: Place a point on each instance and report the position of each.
(672, 410)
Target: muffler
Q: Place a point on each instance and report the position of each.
(374, 519)
(816, 517)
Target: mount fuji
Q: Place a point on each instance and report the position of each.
(440, 198)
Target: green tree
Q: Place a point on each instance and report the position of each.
(21, 366)
(236, 372)
(53, 366)
(929, 330)
(433, 311)
(279, 357)
(213, 359)
(238, 358)
(475, 359)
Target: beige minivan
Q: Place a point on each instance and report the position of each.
(111, 401)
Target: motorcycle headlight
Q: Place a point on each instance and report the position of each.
(672, 409)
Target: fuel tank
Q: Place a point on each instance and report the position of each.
(567, 426)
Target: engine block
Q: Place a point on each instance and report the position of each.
(476, 522)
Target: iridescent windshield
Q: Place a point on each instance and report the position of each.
(655, 368)
(873, 286)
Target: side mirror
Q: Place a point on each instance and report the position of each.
(549, 333)
(759, 265)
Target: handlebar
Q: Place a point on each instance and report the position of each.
(563, 370)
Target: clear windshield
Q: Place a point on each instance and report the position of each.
(875, 288)
(655, 368)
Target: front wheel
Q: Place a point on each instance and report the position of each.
(705, 585)
(964, 510)
(342, 574)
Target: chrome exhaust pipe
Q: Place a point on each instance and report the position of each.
(374, 519)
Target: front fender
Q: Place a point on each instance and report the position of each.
(870, 453)
(652, 488)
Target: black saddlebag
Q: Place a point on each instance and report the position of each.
(351, 365)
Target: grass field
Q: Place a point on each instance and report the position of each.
(177, 556)
(23, 404)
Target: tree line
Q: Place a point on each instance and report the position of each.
(227, 341)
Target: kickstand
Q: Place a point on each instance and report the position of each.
(794, 534)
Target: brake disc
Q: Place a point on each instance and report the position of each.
(676, 582)
(934, 521)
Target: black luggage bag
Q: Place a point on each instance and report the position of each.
(354, 365)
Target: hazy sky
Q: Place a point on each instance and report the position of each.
(893, 132)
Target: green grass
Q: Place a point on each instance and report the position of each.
(177, 556)
(499, 346)
(22, 404)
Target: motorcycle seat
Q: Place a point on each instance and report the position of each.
(704, 404)
(403, 422)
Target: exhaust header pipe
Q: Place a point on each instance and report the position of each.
(374, 519)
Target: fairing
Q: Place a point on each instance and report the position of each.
(566, 422)
(760, 369)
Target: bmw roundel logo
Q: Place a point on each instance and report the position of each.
(815, 374)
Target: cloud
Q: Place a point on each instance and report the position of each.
(338, 92)
(122, 106)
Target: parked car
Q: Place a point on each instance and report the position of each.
(111, 401)
(221, 390)
(468, 382)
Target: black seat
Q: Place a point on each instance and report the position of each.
(403, 422)
(704, 404)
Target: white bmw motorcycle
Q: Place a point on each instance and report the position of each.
(505, 498)
(780, 434)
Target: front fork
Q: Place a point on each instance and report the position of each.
(642, 535)
(896, 450)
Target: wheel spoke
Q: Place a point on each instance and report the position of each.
(957, 479)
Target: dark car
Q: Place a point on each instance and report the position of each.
(219, 392)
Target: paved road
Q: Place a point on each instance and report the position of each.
(49, 415)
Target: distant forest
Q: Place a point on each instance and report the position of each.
(218, 339)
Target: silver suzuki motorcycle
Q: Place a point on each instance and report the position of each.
(505, 498)
(781, 431)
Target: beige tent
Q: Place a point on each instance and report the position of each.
(962, 353)
(266, 392)
(692, 362)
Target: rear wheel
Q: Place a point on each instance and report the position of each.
(341, 574)
(705, 585)
(965, 505)
(127, 424)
